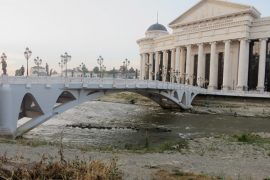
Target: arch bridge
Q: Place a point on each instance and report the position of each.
(41, 98)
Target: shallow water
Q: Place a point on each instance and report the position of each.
(152, 123)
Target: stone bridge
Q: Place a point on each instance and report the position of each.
(41, 98)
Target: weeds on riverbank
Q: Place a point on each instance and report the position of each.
(250, 138)
(179, 175)
(49, 169)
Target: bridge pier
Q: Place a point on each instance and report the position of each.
(8, 121)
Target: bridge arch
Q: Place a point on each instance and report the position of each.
(64, 97)
(29, 107)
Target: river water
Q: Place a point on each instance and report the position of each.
(119, 125)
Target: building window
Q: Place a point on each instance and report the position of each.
(267, 68)
(207, 70)
(160, 67)
(153, 66)
(169, 66)
(220, 69)
(195, 69)
(253, 64)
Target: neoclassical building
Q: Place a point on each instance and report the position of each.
(215, 44)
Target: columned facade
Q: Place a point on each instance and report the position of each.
(150, 66)
(262, 65)
(217, 51)
(243, 65)
(227, 65)
(213, 67)
(201, 66)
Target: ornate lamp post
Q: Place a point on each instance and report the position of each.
(201, 82)
(61, 65)
(65, 59)
(83, 69)
(100, 63)
(38, 62)
(164, 73)
(178, 76)
(126, 63)
(185, 78)
(172, 71)
(148, 65)
(103, 70)
(4, 63)
(27, 55)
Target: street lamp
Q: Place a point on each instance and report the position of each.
(100, 63)
(103, 70)
(38, 62)
(83, 69)
(164, 73)
(65, 59)
(172, 71)
(61, 65)
(126, 63)
(4, 63)
(27, 55)
(148, 65)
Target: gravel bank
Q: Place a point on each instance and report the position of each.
(212, 156)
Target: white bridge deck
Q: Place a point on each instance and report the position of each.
(112, 83)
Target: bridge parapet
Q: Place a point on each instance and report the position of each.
(96, 82)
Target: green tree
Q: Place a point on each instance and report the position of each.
(96, 70)
(131, 70)
(84, 69)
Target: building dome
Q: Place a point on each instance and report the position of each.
(157, 27)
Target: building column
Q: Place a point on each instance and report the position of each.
(150, 66)
(188, 66)
(182, 65)
(177, 62)
(156, 65)
(262, 64)
(201, 66)
(143, 66)
(227, 66)
(243, 65)
(213, 67)
(165, 66)
(172, 65)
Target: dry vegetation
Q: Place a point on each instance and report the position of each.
(178, 175)
(47, 168)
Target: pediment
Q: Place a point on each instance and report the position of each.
(209, 9)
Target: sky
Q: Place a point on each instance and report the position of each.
(85, 29)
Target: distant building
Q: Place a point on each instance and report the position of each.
(216, 44)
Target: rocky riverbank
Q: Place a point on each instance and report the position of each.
(245, 156)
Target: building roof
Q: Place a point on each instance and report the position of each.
(157, 27)
(205, 9)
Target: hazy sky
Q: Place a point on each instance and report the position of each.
(85, 28)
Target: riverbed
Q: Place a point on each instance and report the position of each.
(107, 124)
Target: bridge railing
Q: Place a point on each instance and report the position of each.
(115, 82)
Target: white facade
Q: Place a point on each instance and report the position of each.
(215, 44)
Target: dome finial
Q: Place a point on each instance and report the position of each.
(157, 17)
